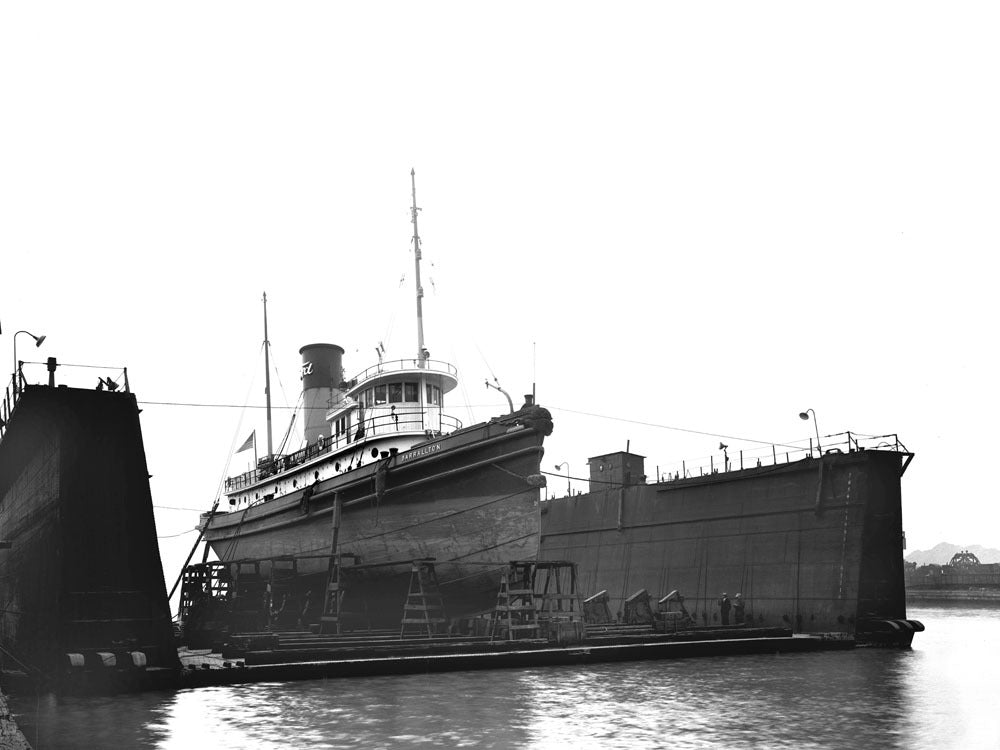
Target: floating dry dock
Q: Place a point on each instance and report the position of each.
(297, 656)
(814, 545)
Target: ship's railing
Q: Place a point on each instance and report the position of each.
(769, 455)
(41, 373)
(429, 423)
(401, 365)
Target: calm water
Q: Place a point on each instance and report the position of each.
(944, 693)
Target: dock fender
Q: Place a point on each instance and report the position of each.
(878, 624)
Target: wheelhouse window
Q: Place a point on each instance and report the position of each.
(342, 425)
(433, 395)
(411, 392)
(395, 393)
(367, 397)
(379, 394)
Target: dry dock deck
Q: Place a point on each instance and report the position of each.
(298, 656)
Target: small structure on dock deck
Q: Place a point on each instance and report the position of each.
(424, 610)
(538, 599)
(638, 610)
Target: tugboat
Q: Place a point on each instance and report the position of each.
(386, 478)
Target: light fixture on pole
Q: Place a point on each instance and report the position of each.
(17, 368)
(805, 415)
(725, 455)
(565, 465)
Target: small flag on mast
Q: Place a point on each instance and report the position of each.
(248, 443)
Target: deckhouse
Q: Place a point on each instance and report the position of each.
(386, 409)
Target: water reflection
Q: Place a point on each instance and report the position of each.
(802, 701)
(941, 694)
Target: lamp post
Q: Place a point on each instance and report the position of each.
(805, 415)
(565, 465)
(38, 342)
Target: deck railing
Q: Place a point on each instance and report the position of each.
(401, 365)
(430, 423)
(769, 455)
(36, 375)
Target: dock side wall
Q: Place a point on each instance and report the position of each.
(30, 569)
(84, 565)
(797, 541)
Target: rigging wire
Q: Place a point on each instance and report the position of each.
(172, 536)
(237, 432)
(220, 406)
(470, 405)
(291, 423)
(675, 429)
(175, 507)
(492, 374)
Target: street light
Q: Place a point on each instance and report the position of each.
(565, 464)
(805, 415)
(38, 342)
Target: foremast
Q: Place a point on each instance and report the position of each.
(267, 380)
(422, 353)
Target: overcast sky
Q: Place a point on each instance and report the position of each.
(701, 217)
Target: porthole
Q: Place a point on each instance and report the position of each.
(374, 452)
(316, 475)
(336, 466)
(295, 483)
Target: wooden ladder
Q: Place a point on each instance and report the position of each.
(332, 616)
(423, 610)
(515, 611)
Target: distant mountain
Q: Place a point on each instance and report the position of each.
(942, 553)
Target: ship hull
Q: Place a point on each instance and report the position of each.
(469, 501)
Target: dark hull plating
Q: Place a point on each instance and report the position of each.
(82, 573)
(815, 544)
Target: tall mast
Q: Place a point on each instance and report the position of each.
(267, 379)
(421, 356)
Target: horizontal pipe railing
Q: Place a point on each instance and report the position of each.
(770, 455)
(401, 365)
(14, 389)
(376, 426)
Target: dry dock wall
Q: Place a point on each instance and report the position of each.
(815, 544)
(82, 573)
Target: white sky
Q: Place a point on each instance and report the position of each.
(705, 216)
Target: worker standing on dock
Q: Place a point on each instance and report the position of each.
(739, 609)
(724, 606)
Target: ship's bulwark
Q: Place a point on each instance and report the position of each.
(83, 572)
(816, 544)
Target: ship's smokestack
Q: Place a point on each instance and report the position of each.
(322, 374)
